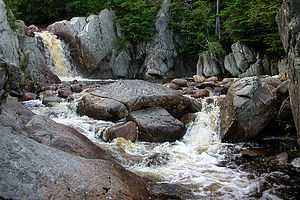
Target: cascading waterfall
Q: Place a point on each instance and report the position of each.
(192, 161)
(56, 56)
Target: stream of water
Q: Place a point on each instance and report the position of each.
(200, 161)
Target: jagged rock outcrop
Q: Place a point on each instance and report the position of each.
(240, 60)
(94, 45)
(248, 108)
(161, 55)
(8, 39)
(105, 58)
(288, 20)
(210, 65)
(20, 59)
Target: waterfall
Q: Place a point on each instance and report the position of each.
(56, 55)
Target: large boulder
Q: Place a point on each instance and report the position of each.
(138, 94)
(157, 125)
(44, 130)
(31, 170)
(248, 108)
(288, 20)
(101, 108)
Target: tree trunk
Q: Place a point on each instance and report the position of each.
(218, 26)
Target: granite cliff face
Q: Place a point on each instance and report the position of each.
(96, 52)
(288, 20)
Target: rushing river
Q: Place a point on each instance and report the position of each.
(200, 161)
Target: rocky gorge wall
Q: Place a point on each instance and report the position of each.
(96, 52)
(21, 61)
(288, 20)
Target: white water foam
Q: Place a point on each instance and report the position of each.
(192, 161)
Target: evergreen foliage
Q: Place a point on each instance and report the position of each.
(253, 21)
(136, 17)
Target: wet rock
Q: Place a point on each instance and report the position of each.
(53, 173)
(201, 93)
(285, 118)
(44, 130)
(249, 106)
(210, 100)
(101, 108)
(206, 84)
(199, 78)
(138, 94)
(35, 60)
(28, 96)
(288, 20)
(272, 80)
(64, 92)
(280, 159)
(296, 162)
(220, 90)
(127, 130)
(180, 82)
(170, 191)
(187, 118)
(51, 99)
(157, 125)
(174, 86)
(49, 93)
(76, 88)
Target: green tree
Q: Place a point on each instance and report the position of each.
(253, 21)
(136, 17)
(195, 23)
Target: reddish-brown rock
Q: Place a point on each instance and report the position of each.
(28, 96)
(174, 86)
(199, 78)
(64, 92)
(180, 82)
(127, 130)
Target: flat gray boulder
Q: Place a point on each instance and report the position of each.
(138, 94)
(157, 125)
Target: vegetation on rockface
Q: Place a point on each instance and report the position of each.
(194, 21)
(136, 17)
(251, 21)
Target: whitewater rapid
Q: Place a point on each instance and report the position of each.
(193, 161)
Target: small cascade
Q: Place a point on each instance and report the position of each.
(56, 55)
(192, 161)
